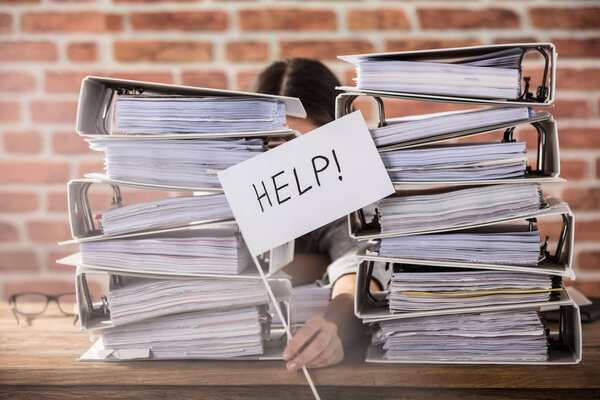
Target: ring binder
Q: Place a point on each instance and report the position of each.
(564, 347)
(98, 94)
(272, 262)
(544, 96)
(372, 307)
(362, 229)
(558, 263)
(82, 221)
(94, 315)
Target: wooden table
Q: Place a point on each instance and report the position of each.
(38, 361)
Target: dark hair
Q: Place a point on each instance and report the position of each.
(309, 80)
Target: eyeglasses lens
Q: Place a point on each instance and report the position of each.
(30, 303)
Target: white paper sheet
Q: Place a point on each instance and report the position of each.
(309, 182)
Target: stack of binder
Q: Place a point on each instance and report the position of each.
(181, 282)
(471, 279)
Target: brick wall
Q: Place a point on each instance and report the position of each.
(48, 46)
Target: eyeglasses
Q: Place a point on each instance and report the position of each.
(31, 304)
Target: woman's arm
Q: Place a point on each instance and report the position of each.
(321, 341)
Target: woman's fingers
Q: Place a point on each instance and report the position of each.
(314, 348)
(300, 339)
(329, 356)
(336, 357)
(309, 342)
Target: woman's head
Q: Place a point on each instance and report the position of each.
(310, 81)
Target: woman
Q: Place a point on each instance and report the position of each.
(321, 341)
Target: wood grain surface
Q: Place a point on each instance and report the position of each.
(39, 361)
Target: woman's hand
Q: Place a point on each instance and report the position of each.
(315, 345)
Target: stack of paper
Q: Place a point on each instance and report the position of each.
(165, 212)
(459, 162)
(177, 255)
(148, 298)
(450, 234)
(307, 301)
(222, 334)
(516, 247)
(177, 266)
(426, 289)
(174, 162)
(498, 76)
(142, 114)
(506, 336)
(425, 126)
(458, 208)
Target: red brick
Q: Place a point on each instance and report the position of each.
(80, 21)
(153, 1)
(55, 255)
(367, 19)
(114, 23)
(57, 201)
(520, 39)
(48, 231)
(73, 1)
(8, 232)
(22, 141)
(570, 108)
(598, 170)
(162, 51)
(69, 142)
(453, 18)
(590, 288)
(6, 23)
(65, 81)
(402, 108)
(34, 172)
(247, 50)
(367, 107)
(589, 259)
(179, 21)
(577, 48)
(23, 50)
(15, 2)
(54, 111)
(10, 111)
(579, 137)
(48, 286)
(579, 18)
(529, 135)
(16, 81)
(210, 79)
(323, 49)
(87, 167)
(573, 170)
(287, 19)
(587, 230)
(18, 261)
(583, 199)
(82, 51)
(244, 79)
(18, 201)
(159, 76)
(579, 79)
(426, 44)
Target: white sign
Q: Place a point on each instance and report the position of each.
(306, 183)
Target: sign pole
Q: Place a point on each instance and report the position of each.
(283, 322)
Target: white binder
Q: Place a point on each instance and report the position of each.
(544, 96)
